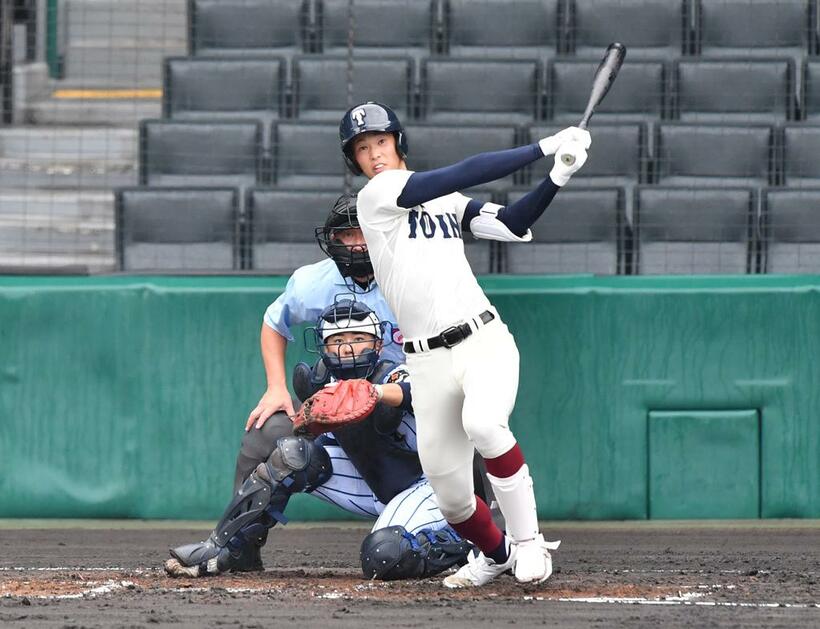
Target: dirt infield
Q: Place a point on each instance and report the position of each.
(637, 575)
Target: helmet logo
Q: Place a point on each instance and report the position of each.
(358, 117)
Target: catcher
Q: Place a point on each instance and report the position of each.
(363, 460)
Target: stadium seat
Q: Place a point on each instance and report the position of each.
(177, 229)
(200, 153)
(651, 29)
(639, 94)
(504, 29)
(580, 232)
(810, 109)
(715, 155)
(485, 91)
(197, 88)
(434, 146)
(383, 28)
(250, 27)
(801, 155)
(712, 90)
(306, 156)
(619, 156)
(791, 231)
(282, 224)
(320, 86)
(762, 28)
(690, 230)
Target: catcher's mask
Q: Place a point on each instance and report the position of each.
(348, 337)
(352, 260)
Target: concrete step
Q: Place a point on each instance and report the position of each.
(107, 40)
(102, 66)
(81, 143)
(117, 113)
(67, 158)
(59, 206)
(56, 229)
(52, 262)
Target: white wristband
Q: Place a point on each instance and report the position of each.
(379, 392)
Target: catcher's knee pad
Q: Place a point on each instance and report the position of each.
(297, 464)
(393, 553)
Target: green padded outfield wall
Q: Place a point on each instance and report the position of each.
(127, 396)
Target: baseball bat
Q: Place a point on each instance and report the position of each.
(601, 82)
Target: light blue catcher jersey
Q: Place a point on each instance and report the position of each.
(311, 289)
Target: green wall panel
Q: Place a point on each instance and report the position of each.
(127, 396)
(704, 464)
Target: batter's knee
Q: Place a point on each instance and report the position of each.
(454, 493)
(490, 434)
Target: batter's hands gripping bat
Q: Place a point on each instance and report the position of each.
(604, 77)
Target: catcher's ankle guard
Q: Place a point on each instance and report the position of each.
(297, 464)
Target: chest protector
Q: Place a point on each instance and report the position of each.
(374, 446)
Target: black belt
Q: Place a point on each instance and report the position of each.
(451, 336)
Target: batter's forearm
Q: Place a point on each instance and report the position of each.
(422, 187)
(274, 346)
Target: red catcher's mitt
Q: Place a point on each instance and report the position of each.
(347, 402)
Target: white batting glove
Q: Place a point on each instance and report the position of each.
(570, 134)
(568, 151)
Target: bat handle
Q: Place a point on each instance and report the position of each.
(569, 158)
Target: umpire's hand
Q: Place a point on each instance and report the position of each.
(274, 399)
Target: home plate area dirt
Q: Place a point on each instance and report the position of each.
(620, 574)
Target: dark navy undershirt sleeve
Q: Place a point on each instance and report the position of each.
(407, 400)
(521, 215)
(422, 187)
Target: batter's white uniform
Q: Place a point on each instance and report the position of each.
(463, 396)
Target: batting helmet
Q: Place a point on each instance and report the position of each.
(348, 315)
(369, 116)
(352, 260)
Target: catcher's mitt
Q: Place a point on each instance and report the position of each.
(347, 402)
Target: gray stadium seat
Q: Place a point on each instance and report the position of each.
(801, 155)
(197, 88)
(720, 90)
(762, 28)
(638, 94)
(307, 156)
(580, 232)
(434, 146)
(715, 155)
(250, 27)
(810, 109)
(382, 27)
(791, 231)
(650, 29)
(320, 86)
(200, 153)
(282, 224)
(485, 91)
(177, 229)
(510, 29)
(694, 231)
(619, 156)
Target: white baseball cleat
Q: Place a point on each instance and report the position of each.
(534, 562)
(173, 568)
(479, 570)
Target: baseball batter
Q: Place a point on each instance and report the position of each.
(370, 468)
(462, 359)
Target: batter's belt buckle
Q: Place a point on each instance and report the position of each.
(454, 335)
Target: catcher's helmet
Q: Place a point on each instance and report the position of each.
(349, 315)
(369, 116)
(353, 261)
